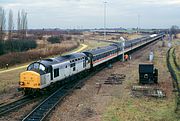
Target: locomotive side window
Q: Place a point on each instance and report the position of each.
(56, 72)
(72, 65)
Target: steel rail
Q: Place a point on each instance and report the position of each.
(14, 105)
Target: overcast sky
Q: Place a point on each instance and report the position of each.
(89, 13)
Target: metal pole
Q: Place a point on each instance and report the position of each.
(138, 23)
(123, 50)
(123, 45)
(105, 20)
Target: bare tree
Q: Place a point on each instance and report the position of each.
(10, 25)
(174, 29)
(19, 24)
(22, 23)
(2, 23)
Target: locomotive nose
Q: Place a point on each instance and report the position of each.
(29, 79)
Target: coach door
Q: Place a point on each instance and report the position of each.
(73, 67)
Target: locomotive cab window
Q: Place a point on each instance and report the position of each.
(36, 66)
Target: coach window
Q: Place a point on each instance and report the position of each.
(56, 72)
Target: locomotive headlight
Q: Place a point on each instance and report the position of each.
(21, 83)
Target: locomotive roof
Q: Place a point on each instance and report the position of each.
(101, 49)
(60, 59)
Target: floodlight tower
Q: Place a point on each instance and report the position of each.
(105, 19)
(138, 28)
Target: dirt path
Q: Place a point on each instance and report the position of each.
(21, 67)
(82, 48)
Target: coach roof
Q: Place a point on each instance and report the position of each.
(101, 50)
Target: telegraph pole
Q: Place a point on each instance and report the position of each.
(122, 45)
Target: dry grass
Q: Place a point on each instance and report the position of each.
(178, 36)
(140, 110)
(9, 81)
(134, 36)
(94, 44)
(177, 53)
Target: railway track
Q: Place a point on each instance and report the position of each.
(44, 108)
(4, 109)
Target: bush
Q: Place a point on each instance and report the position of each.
(1, 47)
(54, 39)
(16, 46)
(35, 54)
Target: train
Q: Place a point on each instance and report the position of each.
(44, 73)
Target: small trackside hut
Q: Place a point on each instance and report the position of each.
(148, 74)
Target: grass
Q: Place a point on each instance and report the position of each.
(9, 80)
(140, 110)
(94, 44)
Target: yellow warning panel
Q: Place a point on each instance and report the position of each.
(30, 79)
